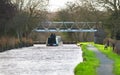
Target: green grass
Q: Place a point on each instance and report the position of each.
(110, 54)
(90, 63)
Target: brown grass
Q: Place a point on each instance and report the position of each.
(12, 42)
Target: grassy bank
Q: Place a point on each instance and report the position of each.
(90, 63)
(110, 54)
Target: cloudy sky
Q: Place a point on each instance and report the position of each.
(55, 5)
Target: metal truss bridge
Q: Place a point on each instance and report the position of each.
(67, 27)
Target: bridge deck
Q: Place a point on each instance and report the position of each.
(65, 30)
(40, 60)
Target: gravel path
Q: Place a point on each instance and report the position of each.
(106, 65)
(41, 60)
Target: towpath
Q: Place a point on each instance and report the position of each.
(106, 65)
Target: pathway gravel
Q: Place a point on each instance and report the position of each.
(106, 65)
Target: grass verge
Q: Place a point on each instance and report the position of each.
(89, 64)
(110, 54)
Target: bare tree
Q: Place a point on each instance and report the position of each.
(29, 14)
(113, 7)
(7, 12)
(82, 10)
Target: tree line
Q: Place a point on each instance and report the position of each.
(105, 11)
(18, 18)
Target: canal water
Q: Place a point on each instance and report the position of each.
(41, 60)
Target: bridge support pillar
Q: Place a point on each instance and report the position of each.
(99, 36)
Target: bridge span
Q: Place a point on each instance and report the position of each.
(41, 60)
(67, 27)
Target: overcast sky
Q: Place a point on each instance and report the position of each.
(55, 5)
